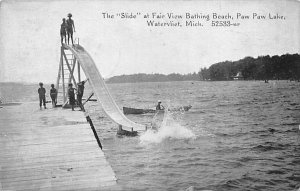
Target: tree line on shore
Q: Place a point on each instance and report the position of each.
(141, 77)
(284, 67)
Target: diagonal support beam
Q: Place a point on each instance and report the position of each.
(68, 65)
(72, 73)
(89, 97)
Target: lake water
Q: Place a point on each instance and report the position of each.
(239, 135)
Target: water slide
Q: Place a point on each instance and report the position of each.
(100, 89)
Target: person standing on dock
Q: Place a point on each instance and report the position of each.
(71, 93)
(80, 94)
(53, 95)
(42, 95)
(63, 31)
(70, 27)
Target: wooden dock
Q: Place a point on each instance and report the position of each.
(52, 149)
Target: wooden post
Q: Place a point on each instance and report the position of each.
(63, 75)
(94, 130)
(59, 71)
(78, 68)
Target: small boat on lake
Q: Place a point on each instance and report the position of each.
(129, 110)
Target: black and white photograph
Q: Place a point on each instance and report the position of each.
(177, 95)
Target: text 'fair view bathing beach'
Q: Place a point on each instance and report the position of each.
(150, 95)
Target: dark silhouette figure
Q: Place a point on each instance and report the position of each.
(80, 94)
(159, 106)
(71, 94)
(42, 95)
(53, 95)
(70, 28)
(63, 31)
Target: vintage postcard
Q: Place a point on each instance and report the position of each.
(150, 95)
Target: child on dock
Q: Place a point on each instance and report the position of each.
(42, 95)
(70, 27)
(71, 93)
(63, 31)
(53, 95)
(80, 94)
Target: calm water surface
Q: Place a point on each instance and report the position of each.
(239, 135)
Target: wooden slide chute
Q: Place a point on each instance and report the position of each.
(100, 89)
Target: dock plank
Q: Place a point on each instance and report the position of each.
(53, 149)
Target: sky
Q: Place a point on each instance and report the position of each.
(30, 39)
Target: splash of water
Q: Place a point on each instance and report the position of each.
(169, 128)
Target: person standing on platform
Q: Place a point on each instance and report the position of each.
(53, 95)
(71, 94)
(70, 28)
(80, 94)
(42, 95)
(63, 31)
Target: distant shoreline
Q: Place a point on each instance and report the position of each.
(284, 67)
(48, 84)
(142, 77)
